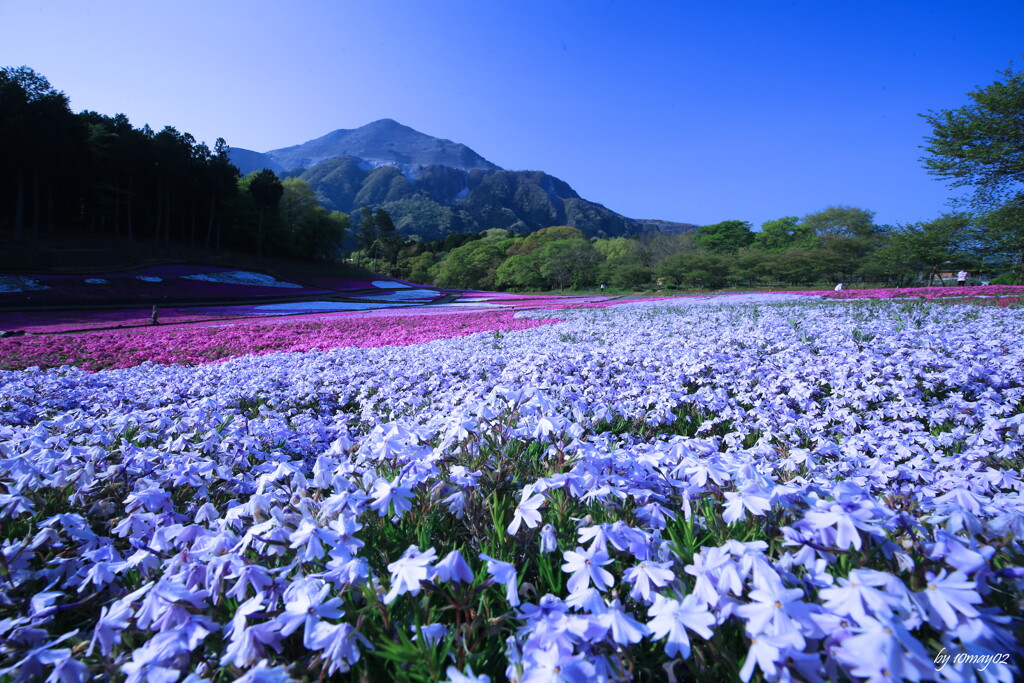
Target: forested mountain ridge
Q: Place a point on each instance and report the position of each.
(431, 187)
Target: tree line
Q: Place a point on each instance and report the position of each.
(101, 175)
(837, 244)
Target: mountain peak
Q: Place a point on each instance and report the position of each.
(384, 142)
(431, 187)
(386, 123)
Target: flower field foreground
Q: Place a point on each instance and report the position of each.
(808, 490)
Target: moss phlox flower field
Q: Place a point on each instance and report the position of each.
(725, 489)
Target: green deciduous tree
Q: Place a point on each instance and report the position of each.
(628, 275)
(472, 266)
(784, 233)
(389, 242)
(696, 269)
(521, 271)
(726, 237)
(569, 262)
(841, 221)
(927, 248)
(308, 230)
(266, 190)
(981, 145)
(1003, 237)
(624, 262)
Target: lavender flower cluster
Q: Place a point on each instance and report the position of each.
(805, 490)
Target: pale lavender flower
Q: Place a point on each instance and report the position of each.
(600, 535)
(409, 570)
(842, 524)
(465, 676)
(646, 576)
(587, 566)
(588, 600)
(554, 666)
(453, 567)
(765, 653)
(671, 619)
(751, 497)
(69, 670)
(305, 605)
(155, 660)
(264, 673)
(345, 572)
(432, 633)
(166, 605)
(107, 632)
(456, 503)
(504, 573)
(624, 628)
(35, 662)
(247, 644)
(949, 595)
(882, 650)
(526, 511)
(548, 542)
(41, 605)
(776, 610)
(954, 552)
(14, 505)
(385, 494)
(339, 644)
(655, 514)
(309, 539)
(346, 526)
(250, 577)
(853, 597)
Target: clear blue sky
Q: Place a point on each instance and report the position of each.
(680, 110)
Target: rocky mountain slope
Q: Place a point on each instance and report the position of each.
(431, 187)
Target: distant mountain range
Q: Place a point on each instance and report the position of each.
(433, 187)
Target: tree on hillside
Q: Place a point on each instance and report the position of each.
(520, 271)
(841, 221)
(656, 247)
(569, 262)
(981, 145)
(389, 242)
(222, 181)
(799, 265)
(538, 239)
(266, 189)
(496, 234)
(40, 135)
(367, 235)
(1003, 237)
(309, 231)
(696, 269)
(726, 237)
(846, 235)
(784, 233)
(927, 248)
(474, 265)
(623, 262)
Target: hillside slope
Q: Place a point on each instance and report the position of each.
(431, 187)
